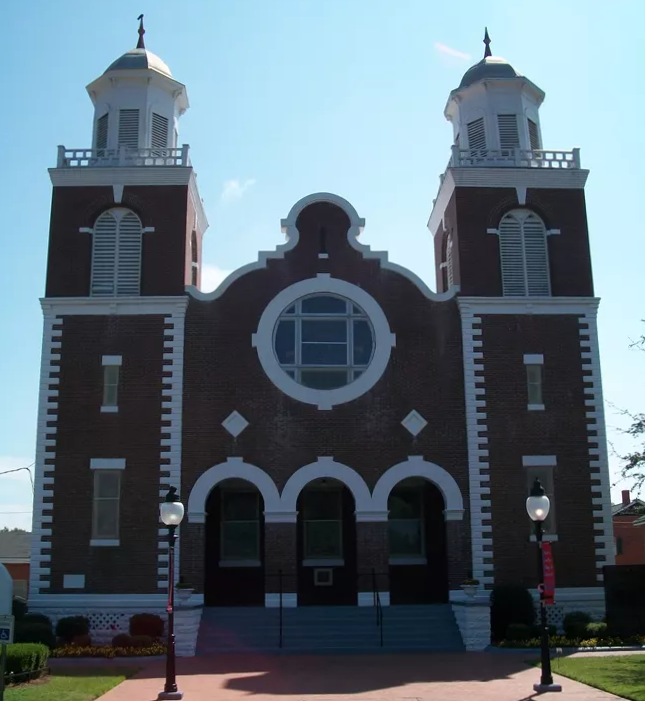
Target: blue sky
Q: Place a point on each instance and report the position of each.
(290, 97)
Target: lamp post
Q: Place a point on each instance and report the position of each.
(172, 512)
(537, 506)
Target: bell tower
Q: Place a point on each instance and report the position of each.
(510, 230)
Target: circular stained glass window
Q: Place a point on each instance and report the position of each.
(323, 341)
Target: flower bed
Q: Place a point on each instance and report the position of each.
(562, 641)
(108, 651)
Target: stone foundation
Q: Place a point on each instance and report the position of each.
(473, 619)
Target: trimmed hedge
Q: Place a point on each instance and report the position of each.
(108, 651)
(71, 627)
(25, 660)
(510, 603)
(518, 631)
(18, 608)
(563, 641)
(34, 632)
(575, 624)
(146, 624)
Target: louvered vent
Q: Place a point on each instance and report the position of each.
(509, 137)
(477, 135)
(524, 255)
(102, 131)
(534, 135)
(535, 251)
(159, 137)
(116, 254)
(104, 255)
(129, 128)
(449, 263)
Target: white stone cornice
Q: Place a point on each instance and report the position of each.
(529, 305)
(95, 306)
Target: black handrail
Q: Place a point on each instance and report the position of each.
(377, 605)
(280, 584)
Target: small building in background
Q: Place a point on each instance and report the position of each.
(15, 551)
(629, 542)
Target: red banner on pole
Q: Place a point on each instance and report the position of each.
(549, 574)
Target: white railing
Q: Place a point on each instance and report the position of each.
(514, 158)
(121, 157)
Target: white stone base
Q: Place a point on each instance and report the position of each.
(366, 598)
(473, 620)
(187, 620)
(289, 600)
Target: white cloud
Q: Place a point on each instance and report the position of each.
(15, 493)
(449, 51)
(212, 276)
(235, 189)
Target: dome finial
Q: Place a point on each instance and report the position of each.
(141, 44)
(487, 51)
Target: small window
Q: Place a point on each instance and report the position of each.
(534, 135)
(111, 385)
(619, 546)
(323, 524)
(129, 128)
(194, 259)
(534, 374)
(450, 275)
(509, 137)
(107, 495)
(240, 526)
(159, 132)
(405, 523)
(477, 135)
(545, 475)
(102, 132)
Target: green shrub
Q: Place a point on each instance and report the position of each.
(143, 641)
(595, 630)
(510, 603)
(18, 608)
(575, 624)
(122, 640)
(536, 630)
(34, 632)
(108, 651)
(37, 618)
(518, 631)
(68, 628)
(24, 660)
(146, 624)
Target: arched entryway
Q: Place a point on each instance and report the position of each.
(417, 543)
(326, 544)
(234, 545)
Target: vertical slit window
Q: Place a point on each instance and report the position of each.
(534, 376)
(102, 132)
(107, 497)
(534, 135)
(477, 135)
(509, 137)
(450, 276)
(129, 128)
(159, 135)
(111, 385)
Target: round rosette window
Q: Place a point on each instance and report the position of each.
(324, 341)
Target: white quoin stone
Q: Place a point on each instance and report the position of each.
(141, 81)
(6, 591)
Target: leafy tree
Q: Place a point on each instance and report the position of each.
(634, 463)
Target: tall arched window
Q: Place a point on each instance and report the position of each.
(524, 255)
(450, 275)
(116, 254)
(194, 259)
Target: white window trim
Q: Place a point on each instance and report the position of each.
(100, 543)
(533, 359)
(539, 461)
(112, 360)
(384, 341)
(109, 410)
(322, 562)
(535, 407)
(107, 464)
(240, 563)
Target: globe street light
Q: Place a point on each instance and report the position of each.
(537, 506)
(171, 512)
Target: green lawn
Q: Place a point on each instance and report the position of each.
(622, 675)
(80, 684)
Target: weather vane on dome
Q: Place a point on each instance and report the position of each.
(487, 51)
(142, 31)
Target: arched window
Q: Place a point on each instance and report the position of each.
(450, 276)
(116, 254)
(524, 255)
(194, 259)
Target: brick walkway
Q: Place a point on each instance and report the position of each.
(435, 677)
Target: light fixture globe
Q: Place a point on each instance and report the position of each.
(538, 504)
(171, 510)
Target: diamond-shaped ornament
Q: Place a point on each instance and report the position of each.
(235, 423)
(414, 423)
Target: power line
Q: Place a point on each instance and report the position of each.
(17, 469)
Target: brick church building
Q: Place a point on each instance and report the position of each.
(334, 426)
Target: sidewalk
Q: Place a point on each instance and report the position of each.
(435, 677)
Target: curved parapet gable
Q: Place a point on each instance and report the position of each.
(289, 228)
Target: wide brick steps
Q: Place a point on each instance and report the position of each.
(329, 629)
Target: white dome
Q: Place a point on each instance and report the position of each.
(139, 59)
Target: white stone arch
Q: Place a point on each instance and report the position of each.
(326, 467)
(233, 468)
(416, 466)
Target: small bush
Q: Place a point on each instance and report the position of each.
(81, 641)
(518, 631)
(68, 628)
(108, 651)
(37, 618)
(596, 630)
(142, 641)
(146, 624)
(24, 660)
(537, 630)
(510, 604)
(37, 632)
(18, 608)
(122, 640)
(575, 624)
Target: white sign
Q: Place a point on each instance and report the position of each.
(6, 630)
